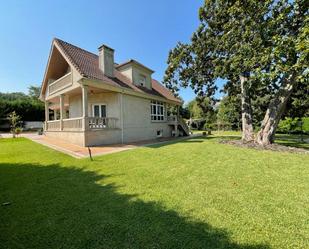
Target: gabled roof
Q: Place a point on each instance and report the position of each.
(87, 64)
(134, 62)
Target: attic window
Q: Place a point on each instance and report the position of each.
(142, 80)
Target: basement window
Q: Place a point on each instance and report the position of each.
(159, 133)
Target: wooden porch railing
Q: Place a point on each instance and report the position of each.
(53, 125)
(76, 124)
(72, 124)
(61, 83)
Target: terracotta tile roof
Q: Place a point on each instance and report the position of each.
(87, 64)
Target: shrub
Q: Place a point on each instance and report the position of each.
(14, 122)
(291, 125)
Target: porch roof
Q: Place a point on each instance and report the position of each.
(87, 64)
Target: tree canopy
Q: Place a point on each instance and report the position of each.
(28, 107)
(258, 46)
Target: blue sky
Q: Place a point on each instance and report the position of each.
(139, 29)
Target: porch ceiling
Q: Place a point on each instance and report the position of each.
(54, 102)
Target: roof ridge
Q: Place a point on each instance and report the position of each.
(57, 39)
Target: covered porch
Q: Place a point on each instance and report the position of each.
(72, 111)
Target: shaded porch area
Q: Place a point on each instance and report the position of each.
(81, 109)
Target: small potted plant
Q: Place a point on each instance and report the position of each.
(40, 132)
(18, 131)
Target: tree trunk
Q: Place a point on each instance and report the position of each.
(274, 112)
(246, 111)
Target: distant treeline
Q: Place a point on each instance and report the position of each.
(27, 106)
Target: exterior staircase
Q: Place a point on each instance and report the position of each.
(179, 124)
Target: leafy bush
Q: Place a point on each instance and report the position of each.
(306, 124)
(292, 125)
(28, 107)
(208, 127)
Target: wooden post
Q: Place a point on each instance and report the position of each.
(85, 105)
(61, 104)
(121, 115)
(46, 114)
(176, 122)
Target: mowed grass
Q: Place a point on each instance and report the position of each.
(190, 194)
(297, 141)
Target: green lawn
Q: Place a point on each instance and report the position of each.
(292, 140)
(190, 194)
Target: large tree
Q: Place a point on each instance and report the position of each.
(289, 61)
(244, 42)
(228, 44)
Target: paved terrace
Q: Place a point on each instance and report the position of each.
(83, 152)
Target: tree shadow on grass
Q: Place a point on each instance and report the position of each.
(292, 141)
(189, 140)
(56, 207)
(193, 140)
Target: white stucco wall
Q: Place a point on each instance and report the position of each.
(133, 72)
(137, 120)
(101, 137)
(75, 106)
(73, 137)
(137, 71)
(137, 124)
(111, 101)
(127, 71)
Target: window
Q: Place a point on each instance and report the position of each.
(142, 80)
(159, 133)
(99, 110)
(157, 111)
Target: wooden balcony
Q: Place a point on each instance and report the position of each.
(82, 124)
(61, 83)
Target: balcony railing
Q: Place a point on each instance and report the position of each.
(176, 120)
(101, 123)
(173, 118)
(61, 83)
(82, 124)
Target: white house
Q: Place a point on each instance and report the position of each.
(91, 100)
